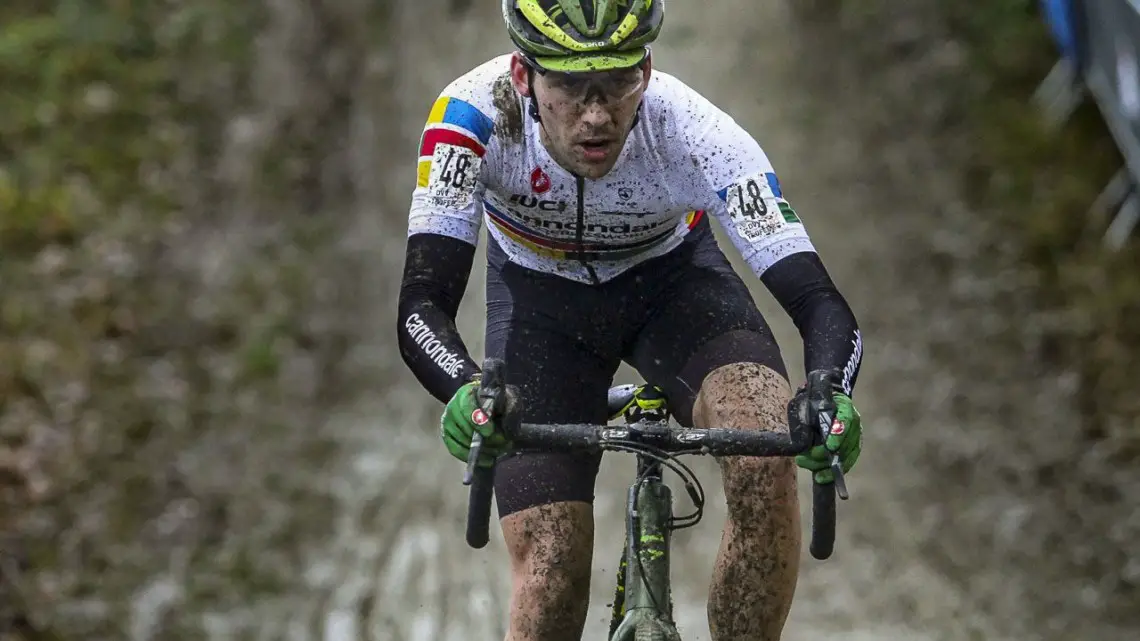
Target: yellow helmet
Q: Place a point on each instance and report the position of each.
(584, 35)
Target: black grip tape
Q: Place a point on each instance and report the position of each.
(822, 520)
(479, 507)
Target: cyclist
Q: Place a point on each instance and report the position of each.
(597, 177)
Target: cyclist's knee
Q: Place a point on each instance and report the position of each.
(550, 548)
(547, 520)
(749, 396)
(551, 543)
(743, 396)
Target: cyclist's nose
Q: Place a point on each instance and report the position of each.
(596, 115)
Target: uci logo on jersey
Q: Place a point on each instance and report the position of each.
(533, 202)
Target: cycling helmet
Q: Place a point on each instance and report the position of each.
(583, 35)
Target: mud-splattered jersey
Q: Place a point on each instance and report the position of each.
(481, 158)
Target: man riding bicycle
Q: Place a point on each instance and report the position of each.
(597, 178)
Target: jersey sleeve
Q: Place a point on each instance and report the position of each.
(743, 192)
(450, 182)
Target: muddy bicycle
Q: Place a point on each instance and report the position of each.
(643, 607)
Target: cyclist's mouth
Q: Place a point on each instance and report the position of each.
(596, 150)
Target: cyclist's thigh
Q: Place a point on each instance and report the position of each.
(705, 319)
(561, 349)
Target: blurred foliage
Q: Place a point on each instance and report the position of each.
(1033, 317)
(113, 329)
(1044, 182)
(1037, 183)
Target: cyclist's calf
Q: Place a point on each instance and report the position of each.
(755, 574)
(551, 549)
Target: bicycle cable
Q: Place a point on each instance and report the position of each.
(670, 461)
(693, 487)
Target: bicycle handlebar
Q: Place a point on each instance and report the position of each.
(714, 441)
(597, 438)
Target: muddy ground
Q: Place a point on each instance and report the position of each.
(952, 532)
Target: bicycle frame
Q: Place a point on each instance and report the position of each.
(643, 606)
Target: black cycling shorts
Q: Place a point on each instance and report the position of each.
(674, 318)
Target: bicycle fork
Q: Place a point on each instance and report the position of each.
(644, 599)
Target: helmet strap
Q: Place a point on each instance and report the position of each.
(532, 106)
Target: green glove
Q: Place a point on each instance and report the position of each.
(845, 439)
(462, 418)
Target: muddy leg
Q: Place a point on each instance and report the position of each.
(551, 549)
(754, 579)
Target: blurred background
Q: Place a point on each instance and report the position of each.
(206, 431)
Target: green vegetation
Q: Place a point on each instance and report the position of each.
(1039, 314)
(122, 359)
(1036, 182)
(1045, 181)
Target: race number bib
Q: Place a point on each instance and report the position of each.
(454, 171)
(755, 210)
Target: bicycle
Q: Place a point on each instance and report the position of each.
(642, 608)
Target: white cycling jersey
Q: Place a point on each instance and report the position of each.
(481, 157)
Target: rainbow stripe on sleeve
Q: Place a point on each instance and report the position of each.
(454, 122)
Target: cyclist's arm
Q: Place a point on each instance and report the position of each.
(436, 270)
(443, 229)
(750, 204)
(830, 333)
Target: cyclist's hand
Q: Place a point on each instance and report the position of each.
(845, 438)
(462, 418)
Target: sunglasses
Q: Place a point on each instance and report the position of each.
(616, 85)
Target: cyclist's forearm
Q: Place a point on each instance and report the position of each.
(826, 323)
(435, 276)
(832, 339)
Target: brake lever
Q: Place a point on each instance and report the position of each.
(825, 421)
(487, 406)
(491, 387)
(472, 459)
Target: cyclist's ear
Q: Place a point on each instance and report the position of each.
(647, 68)
(520, 75)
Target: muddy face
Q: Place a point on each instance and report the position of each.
(586, 118)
